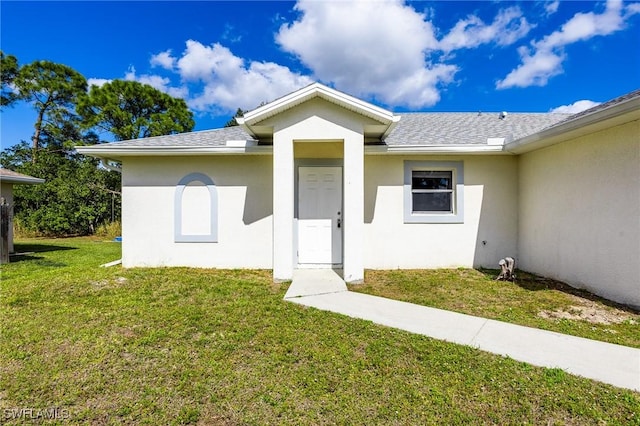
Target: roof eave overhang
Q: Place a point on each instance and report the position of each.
(27, 180)
(116, 154)
(120, 153)
(615, 115)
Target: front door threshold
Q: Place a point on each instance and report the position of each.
(319, 266)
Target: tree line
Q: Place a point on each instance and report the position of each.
(78, 195)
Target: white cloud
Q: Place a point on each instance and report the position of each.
(584, 26)
(632, 9)
(161, 83)
(97, 82)
(164, 60)
(551, 7)
(536, 69)
(260, 82)
(546, 60)
(575, 107)
(372, 49)
(205, 63)
(508, 26)
(229, 83)
(382, 50)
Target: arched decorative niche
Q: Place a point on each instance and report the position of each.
(196, 210)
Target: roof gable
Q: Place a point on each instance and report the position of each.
(385, 120)
(317, 90)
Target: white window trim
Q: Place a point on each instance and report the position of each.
(457, 169)
(179, 237)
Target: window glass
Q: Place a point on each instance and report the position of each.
(431, 180)
(424, 202)
(432, 191)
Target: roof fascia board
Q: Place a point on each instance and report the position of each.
(433, 149)
(394, 123)
(574, 128)
(116, 153)
(242, 123)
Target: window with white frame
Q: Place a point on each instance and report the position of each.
(433, 192)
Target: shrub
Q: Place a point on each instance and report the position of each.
(109, 230)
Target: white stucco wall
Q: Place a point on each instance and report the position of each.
(244, 189)
(580, 212)
(6, 191)
(490, 205)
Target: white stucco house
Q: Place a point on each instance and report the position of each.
(9, 178)
(319, 178)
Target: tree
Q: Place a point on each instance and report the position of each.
(8, 70)
(53, 89)
(233, 122)
(76, 197)
(131, 110)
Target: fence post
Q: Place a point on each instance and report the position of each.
(5, 221)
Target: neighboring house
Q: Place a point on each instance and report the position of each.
(318, 178)
(8, 178)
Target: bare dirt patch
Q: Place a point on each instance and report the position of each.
(108, 283)
(590, 311)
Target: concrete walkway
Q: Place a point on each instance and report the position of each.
(614, 364)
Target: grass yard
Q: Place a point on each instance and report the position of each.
(158, 346)
(531, 301)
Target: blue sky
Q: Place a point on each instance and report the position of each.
(533, 56)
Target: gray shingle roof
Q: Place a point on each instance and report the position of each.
(412, 129)
(205, 138)
(467, 128)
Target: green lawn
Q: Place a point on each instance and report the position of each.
(178, 346)
(531, 301)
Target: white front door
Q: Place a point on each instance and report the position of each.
(319, 216)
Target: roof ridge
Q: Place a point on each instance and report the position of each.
(480, 112)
